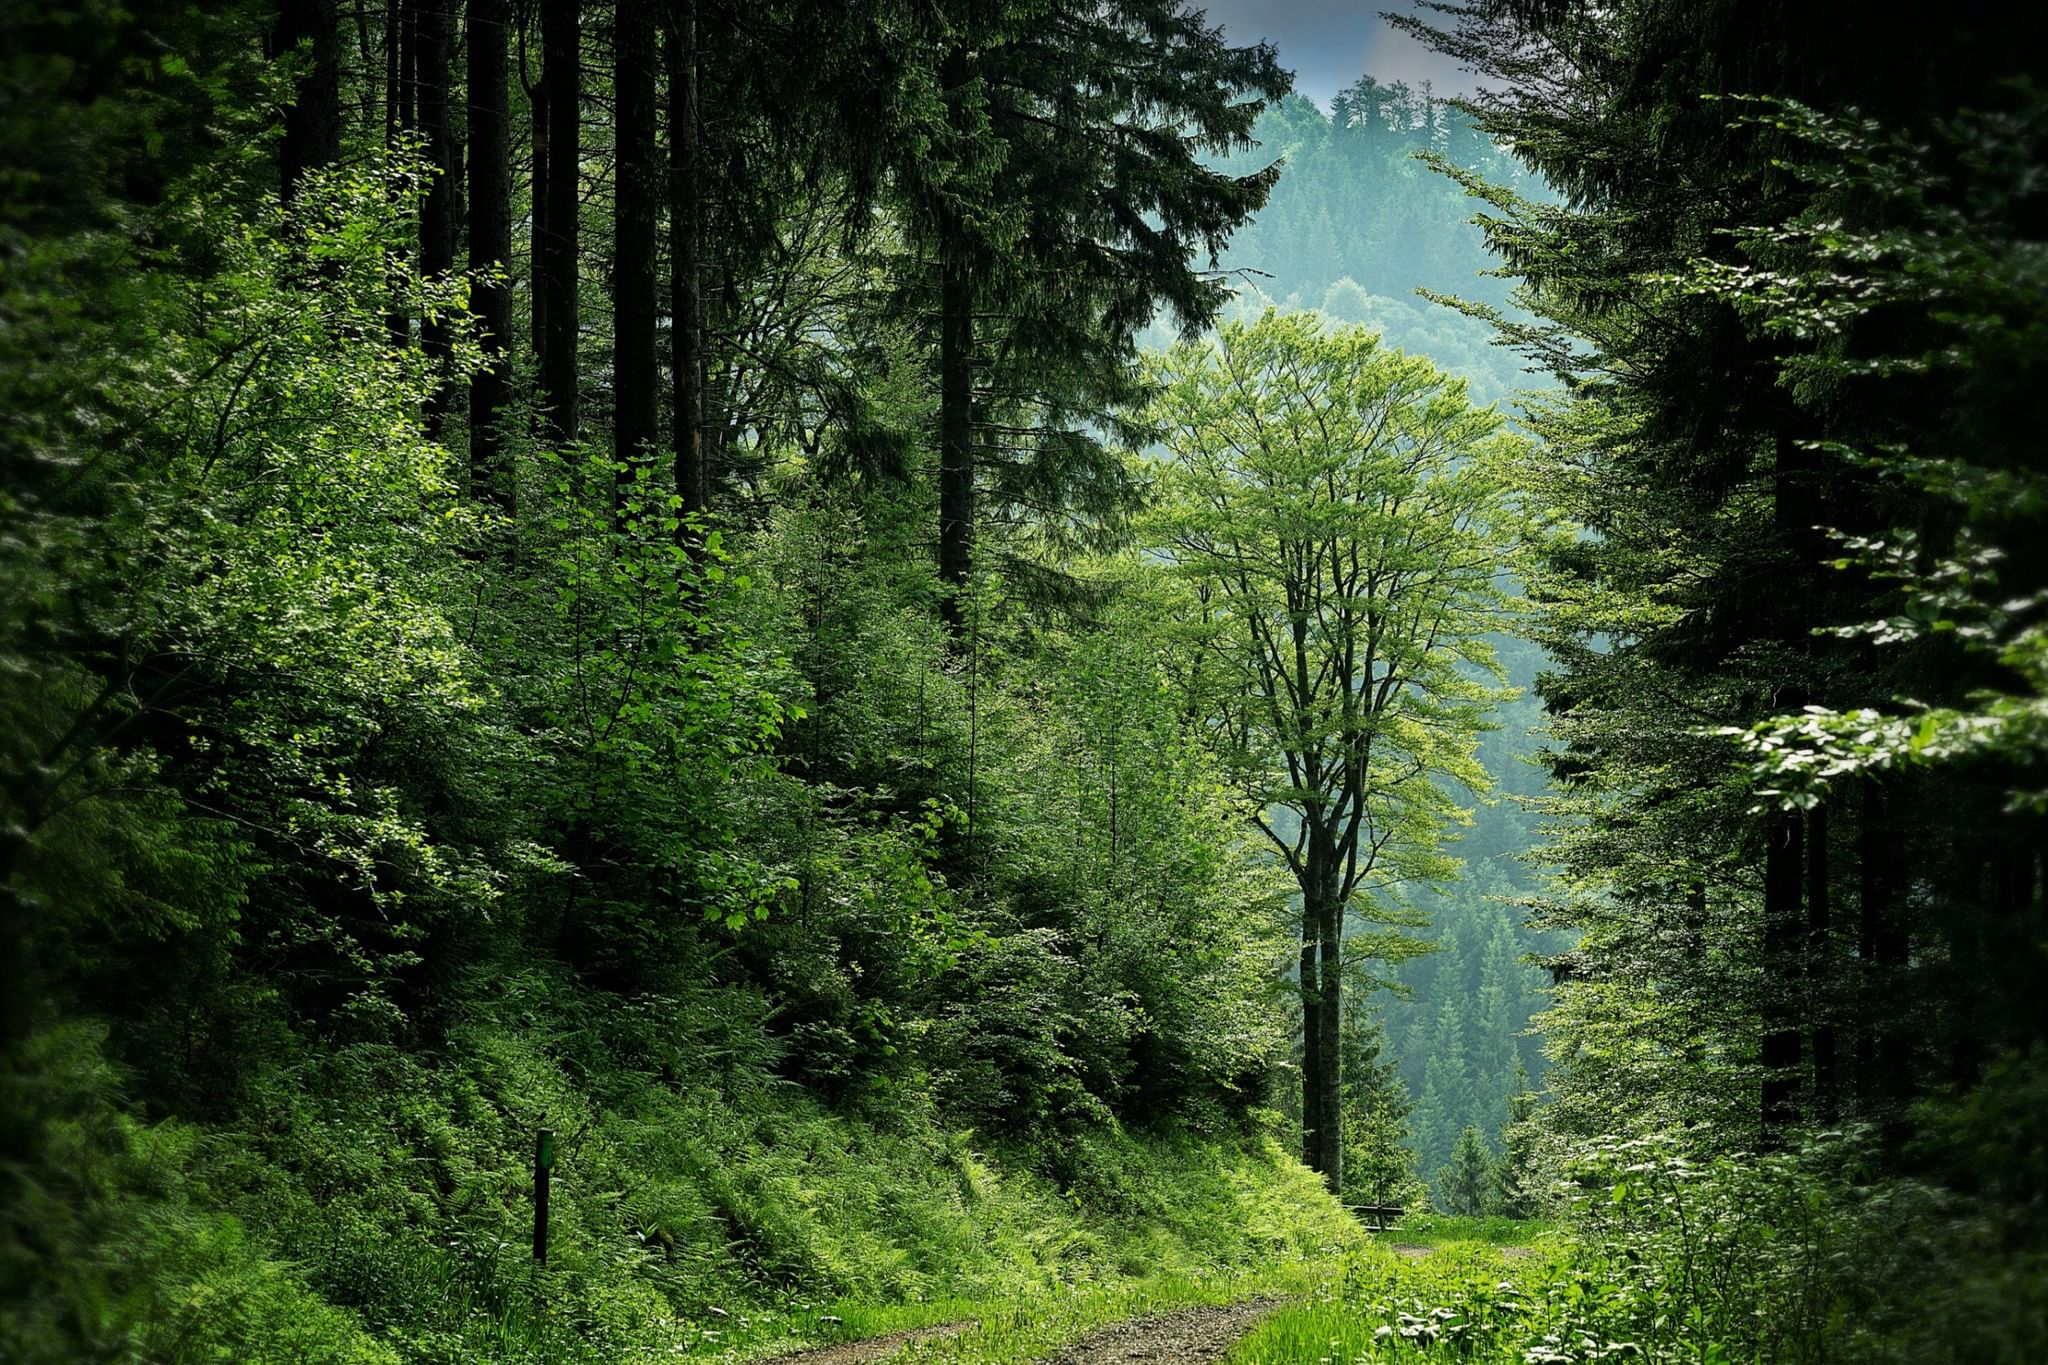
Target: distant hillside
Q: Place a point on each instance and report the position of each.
(1357, 224)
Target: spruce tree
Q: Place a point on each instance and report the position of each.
(1740, 455)
(1068, 203)
(1466, 1184)
(1515, 1193)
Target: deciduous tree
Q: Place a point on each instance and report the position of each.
(1340, 514)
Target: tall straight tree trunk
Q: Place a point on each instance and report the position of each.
(1787, 957)
(686, 290)
(437, 211)
(1330, 1093)
(537, 105)
(409, 65)
(635, 221)
(312, 121)
(1884, 1051)
(393, 18)
(1311, 1032)
(956, 401)
(397, 122)
(1322, 966)
(1820, 975)
(556, 265)
(1782, 952)
(490, 247)
(956, 434)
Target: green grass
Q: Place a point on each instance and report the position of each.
(1465, 1300)
(1439, 1229)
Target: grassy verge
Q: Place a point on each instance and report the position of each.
(1467, 1300)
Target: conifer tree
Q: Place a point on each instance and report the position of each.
(636, 211)
(1735, 450)
(439, 225)
(1515, 1193)
(307, 34)
(1466, 1184)
(1379, 1164)
(1070, 204)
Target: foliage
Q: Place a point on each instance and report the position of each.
(1464, 1300)
(1952, 257)
(1792, 1256)
(361, 821)
(1335, 514)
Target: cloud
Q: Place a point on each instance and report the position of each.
(1328, 44)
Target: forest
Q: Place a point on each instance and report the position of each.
(963, 681)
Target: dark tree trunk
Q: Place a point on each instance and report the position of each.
(394, 20)
(437, 211)
(397, 121)
(1330, 1011)
(956, 403)
(956, 435)
(685, 210)
(490, 248)
(537, 104)
(635, 221)
(1322, 985)
(408, 65)
(1883, 1050)
(1311, 1035)
(312, 122)
(1782, 952)
(556, 257)
(1820, 973)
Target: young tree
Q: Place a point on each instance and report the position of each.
(1466, 1186)
(1514, 1193)
(1379, 1163)
(1339, 513)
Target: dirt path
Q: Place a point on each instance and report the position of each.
(1190, 1336)
(875, 1348)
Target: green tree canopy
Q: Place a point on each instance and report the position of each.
(1337, 513)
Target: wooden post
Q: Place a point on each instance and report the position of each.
(543, 1162)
